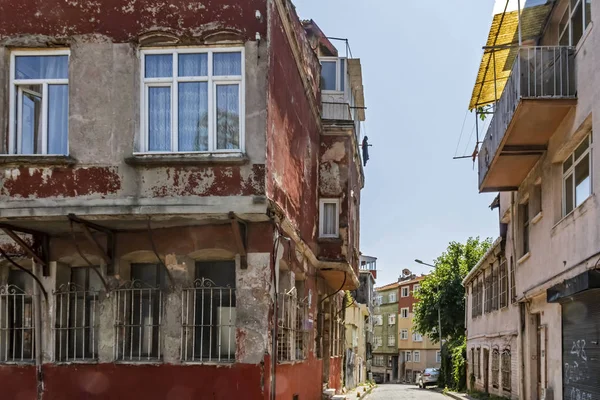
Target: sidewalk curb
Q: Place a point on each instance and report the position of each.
(452, 395)
(367, 392)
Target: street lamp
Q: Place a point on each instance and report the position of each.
(439, 308)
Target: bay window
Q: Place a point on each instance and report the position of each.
(193, 100)
(39, 102)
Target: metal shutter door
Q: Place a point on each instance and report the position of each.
(581, 347)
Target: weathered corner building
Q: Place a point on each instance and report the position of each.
(179, 207)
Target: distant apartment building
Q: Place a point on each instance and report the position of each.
(415, 351)
(492, 326)
(538, 85)
(385, 345)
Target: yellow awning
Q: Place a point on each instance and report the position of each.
(501, 49)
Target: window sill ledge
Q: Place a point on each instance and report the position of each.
(36, 160)
(326, 239)
(186, 159)
(524, 258)
(536, 219)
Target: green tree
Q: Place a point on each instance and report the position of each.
(444, 287)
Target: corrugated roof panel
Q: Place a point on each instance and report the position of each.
(505, 32)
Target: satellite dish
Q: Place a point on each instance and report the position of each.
(406, 272)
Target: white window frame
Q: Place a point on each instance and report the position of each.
(417, 337)
(417, 356)
(392, 319)
(213, 82)
(571, 172)
(408, 356)
(322, 203)
(416, 287)
(392, 298)
(405, 291)
(404, 334)
(338, 74)
(14, 136)
(568, 29)
(378, 319)
(402, 312)
(391, 342)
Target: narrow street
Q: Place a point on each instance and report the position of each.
(403, 392)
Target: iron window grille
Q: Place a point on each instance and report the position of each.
(513, 287)
(208, 322)
(506, 371)
(495, 368)
(75, 328)
(138, 320)
(503, 284)
(17, 327)
(292, 335)
(488, 293)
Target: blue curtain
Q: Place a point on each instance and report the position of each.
(58, 119)
(228, 117)
(227, 64)
(193, 116)
(159, 66)
(42, 67)
(159, 118)
(192, 65)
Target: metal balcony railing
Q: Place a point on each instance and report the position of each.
(542, 72)
(337, 111)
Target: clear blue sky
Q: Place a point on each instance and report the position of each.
(419, 60)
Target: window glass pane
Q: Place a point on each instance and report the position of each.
(582, 180)
(328, 75)
(563, 29)
(193, 116)
(228, 117)
(41, 67)
(78, 276)
(159, 66)
(149, 274)
(159, 118)
(31, 119)
(588, 12)
(58, 119)
(193, 64)
(329, 218)
(567, 164)
(569, 201)
(342, 75)
(582, 148)
(577, 23)
(227, 64)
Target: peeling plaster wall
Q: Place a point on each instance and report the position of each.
(104, 98)
(339, 178)
(292, 130)
(123, 20)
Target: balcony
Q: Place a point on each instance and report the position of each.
(539, 93)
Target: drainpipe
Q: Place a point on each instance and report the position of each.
(38, 329)
(521, 305)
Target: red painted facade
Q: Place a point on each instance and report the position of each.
(123, 20)
(293, 133)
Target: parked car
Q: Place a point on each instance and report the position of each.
(428, 377)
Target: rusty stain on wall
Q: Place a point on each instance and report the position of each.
(212, 181)
(59, 182)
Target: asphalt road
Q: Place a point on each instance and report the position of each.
(404, 392)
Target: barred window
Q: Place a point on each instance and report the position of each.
(16, 319)
(506, 367)
(292, 336)
(503, 284)
(209, 314)
(337, 329)
(495, 368)
(378, 361)
(513, 290)
(488, 293)
(495, 288)
(138, 314)
(473, 299)
(476, 364)
(75, 324)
